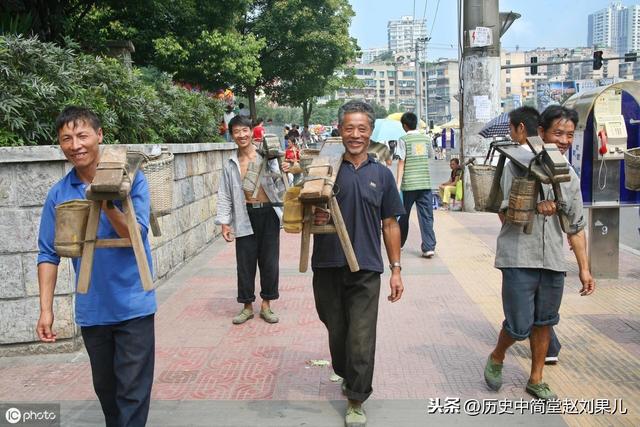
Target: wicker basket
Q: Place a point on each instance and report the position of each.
(481, 179)
(632, 169)
(159, 173)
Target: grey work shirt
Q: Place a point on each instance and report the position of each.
(232, 204)
(543, 247)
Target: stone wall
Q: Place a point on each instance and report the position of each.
(27, 173)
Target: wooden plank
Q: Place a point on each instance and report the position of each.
(86, 264)
(136, 243)
(343, 235)
(323, 229)
(113, 243)
(305, 239)
(111, 169)
(320, 190)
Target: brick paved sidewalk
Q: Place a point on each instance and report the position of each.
(432, 344)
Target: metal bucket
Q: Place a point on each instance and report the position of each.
(481, 179)
(522, 201)
(632, 169)
(71, 226)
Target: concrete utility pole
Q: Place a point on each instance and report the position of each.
(419, 42)
(480, 79)
(418, 94)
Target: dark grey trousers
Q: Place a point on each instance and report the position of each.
(347, 303)
(260, 249)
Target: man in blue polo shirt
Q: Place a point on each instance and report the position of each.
(116, 316)
(347, 303)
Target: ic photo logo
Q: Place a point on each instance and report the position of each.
(31, 414)
(13, 415)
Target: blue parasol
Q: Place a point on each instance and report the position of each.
(387, 130)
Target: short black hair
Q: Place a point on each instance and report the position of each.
(555, 112)
(410, 120)
(74, 114)
(456, 161)
(241, 105)
(242, 121)
(528, 116)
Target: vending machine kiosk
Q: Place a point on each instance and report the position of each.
(609, 124)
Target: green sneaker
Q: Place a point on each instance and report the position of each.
(269, 316)
(541, 391)
(493, 374)
(243, 316)
(355, 416)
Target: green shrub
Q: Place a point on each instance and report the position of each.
(37, 80)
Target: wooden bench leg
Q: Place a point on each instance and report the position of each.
(343, 235)
(88, 248)
(305, 239)
(155, 227)
(136, 243)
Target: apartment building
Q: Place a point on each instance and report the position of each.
(403, 34)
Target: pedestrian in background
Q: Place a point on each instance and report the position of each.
(258, 130)
(347, 302)
(228, 115)
(243, 111)
(116, 315)
(414, 180)
(532, 265)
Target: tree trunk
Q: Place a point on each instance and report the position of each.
(307, 108)
(251, 95)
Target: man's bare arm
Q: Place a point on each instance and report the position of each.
(578, 242)
(47, 276)
(391, 236)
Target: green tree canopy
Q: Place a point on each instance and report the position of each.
(308, 40)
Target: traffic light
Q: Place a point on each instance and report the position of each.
(630, 57)
(597, 59)
(534, 68)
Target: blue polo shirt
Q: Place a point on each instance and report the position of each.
(115, 292)
(366, 196)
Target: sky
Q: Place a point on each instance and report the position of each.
(544, 23)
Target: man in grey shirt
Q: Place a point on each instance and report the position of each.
(254, 223)
(532, 265)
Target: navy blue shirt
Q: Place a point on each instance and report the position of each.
(366, 196)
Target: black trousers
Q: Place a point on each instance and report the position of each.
(122, 359)
(262, 248)
(347, 303)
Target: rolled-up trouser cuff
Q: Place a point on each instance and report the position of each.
(360, 397)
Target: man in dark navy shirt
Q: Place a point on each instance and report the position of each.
(347, 303)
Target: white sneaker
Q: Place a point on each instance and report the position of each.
(428, 254)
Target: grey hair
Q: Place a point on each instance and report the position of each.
(355, 106)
